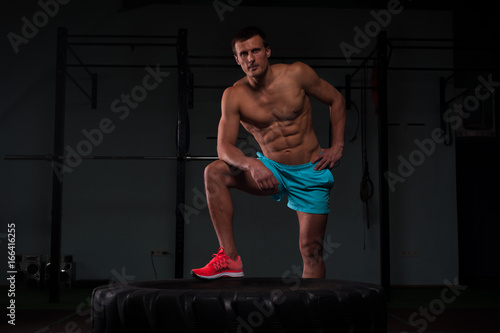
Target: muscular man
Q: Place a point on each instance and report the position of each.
(272, 103)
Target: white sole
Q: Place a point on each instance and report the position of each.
(216, 276)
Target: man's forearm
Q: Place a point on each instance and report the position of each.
(235, 157)
(338, 120)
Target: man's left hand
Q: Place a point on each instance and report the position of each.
(328, 158)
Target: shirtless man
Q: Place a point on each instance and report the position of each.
(272, 103)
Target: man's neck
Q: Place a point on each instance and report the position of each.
(262, 81)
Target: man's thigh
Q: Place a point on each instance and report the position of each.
(312, 228)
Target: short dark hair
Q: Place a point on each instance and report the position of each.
(248, 32)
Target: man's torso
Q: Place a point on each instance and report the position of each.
(279, 117)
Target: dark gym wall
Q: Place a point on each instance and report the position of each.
(116, 211)
(478, 157)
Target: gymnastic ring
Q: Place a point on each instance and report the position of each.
(366, 189)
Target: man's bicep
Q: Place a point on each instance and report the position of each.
(329, 93)
(229, 122)
(318, 87)
(228, 130)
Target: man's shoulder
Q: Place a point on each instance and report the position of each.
(294, 70)
(294, 65)
(297, 67)
(237, 87)
(232, 94)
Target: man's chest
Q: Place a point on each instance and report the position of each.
(261, 109)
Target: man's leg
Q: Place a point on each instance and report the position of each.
(219, 179)
(311, 235)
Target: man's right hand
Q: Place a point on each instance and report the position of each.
(264, 178)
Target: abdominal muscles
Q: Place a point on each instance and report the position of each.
(287, 141)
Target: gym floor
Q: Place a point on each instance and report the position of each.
(429, 309)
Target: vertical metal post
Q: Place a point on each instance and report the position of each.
(182, 117)
(93, 98)
(445, 127)
(496, 113)
(57, 180)
(348, 80)
(442, 102)
(385, 257)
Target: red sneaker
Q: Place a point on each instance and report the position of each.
(220, 265)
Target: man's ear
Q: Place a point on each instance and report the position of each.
(268, 51)
(236, 58)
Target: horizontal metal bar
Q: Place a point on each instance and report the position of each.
(29, 157)
(213, 66)
(339, 66)
(210, 57)
(408, 124)
(125, 158)
(421, 39)
(237, 67)
(201, 86)
(446, 69)
(280, 58)
(121, 36)
(120, 66)
(53, 157)
(322, 58)
(416, 47)
(455, 40)
(206, 86)
(440, 69)
(358, 87)
(121, 44)
(215, 138)
(201, 158)
(443, 69)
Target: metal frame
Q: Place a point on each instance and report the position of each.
(385, 256)
(381, 55)
(182, 149)
(57, 184)
(63, 46)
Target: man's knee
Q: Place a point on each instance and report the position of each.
(312, 250)
(215, 166)
(215, 170)
(220, 171)
(217, 173)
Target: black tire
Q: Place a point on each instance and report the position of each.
(240, 305)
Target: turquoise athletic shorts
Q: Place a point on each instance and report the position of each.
(308, 190)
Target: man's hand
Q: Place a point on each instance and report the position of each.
(328, 158)
(264, 178)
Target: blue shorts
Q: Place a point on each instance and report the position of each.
(308, 190)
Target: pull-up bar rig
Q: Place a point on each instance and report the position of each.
(186, 87)
(64, 44)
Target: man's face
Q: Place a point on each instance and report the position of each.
(252, 56)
